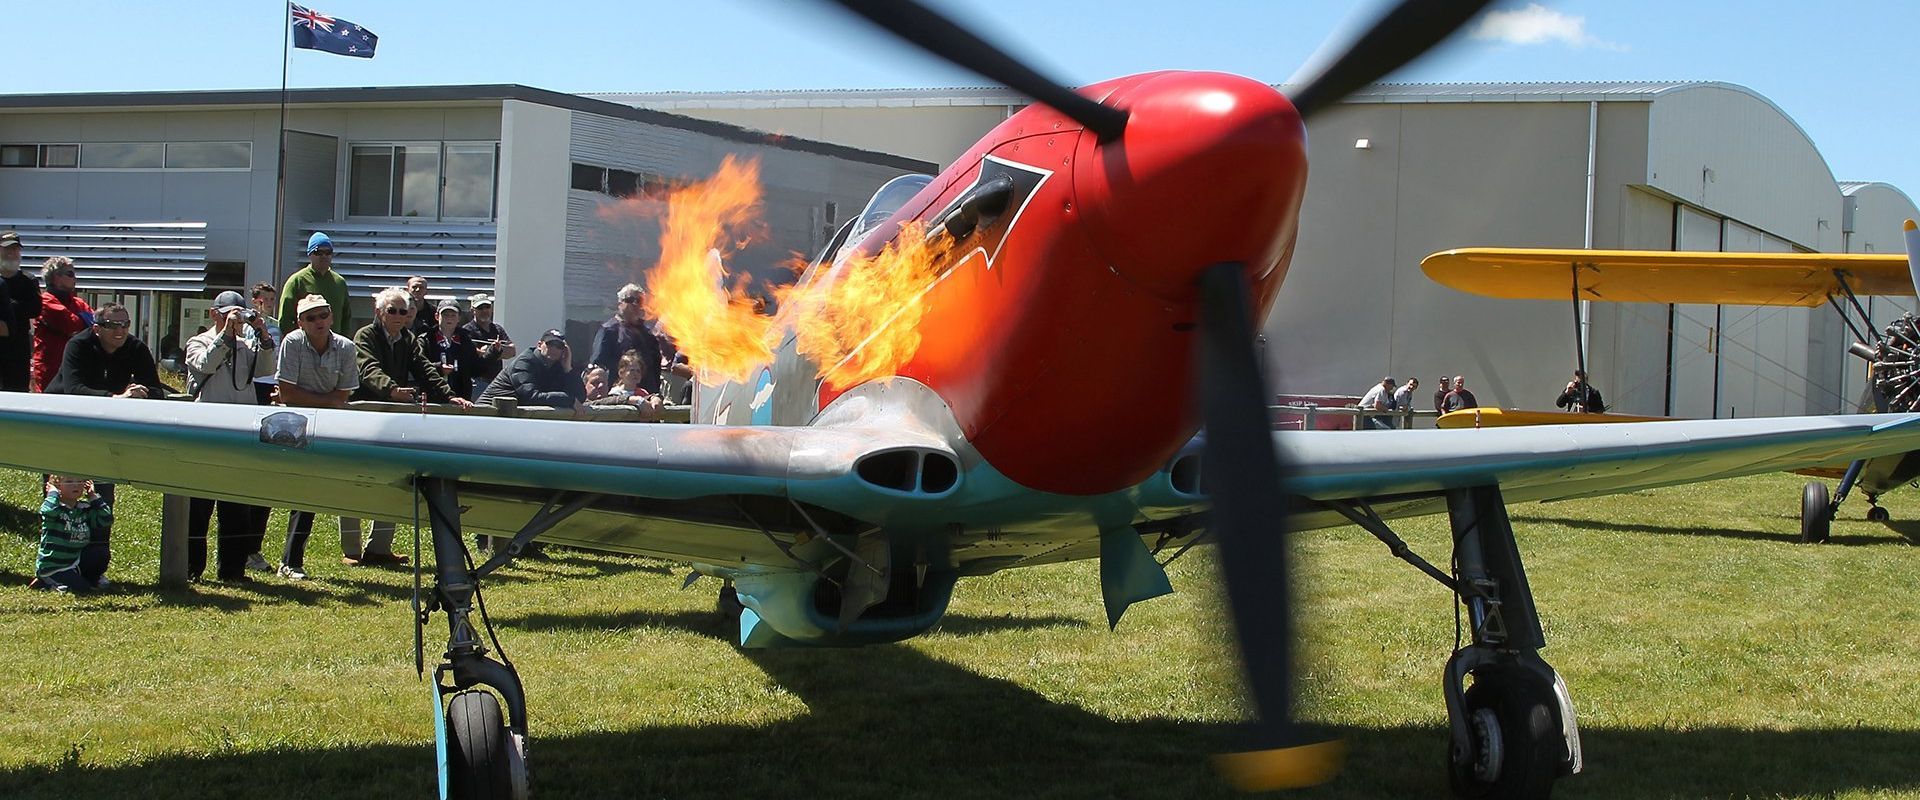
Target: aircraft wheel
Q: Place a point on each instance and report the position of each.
(1816, 514)
(1878, 514)
(1516, 750)
(482, 755)
(728, 604)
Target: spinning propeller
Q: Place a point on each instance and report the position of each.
(1242, 470)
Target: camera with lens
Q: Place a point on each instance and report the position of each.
(248, 315)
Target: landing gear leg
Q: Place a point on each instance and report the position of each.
(483, 755)
(1513, 728)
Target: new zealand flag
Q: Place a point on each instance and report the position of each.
(313, 30)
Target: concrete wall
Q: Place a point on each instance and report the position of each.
(533, 218)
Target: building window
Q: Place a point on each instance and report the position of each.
(60, 155)
(209, 155)
(468, 189)
(122, 155)
(54, 156)
(408, 180)
(618, 182)
(589, 178)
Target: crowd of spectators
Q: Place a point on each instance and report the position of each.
(294, 345)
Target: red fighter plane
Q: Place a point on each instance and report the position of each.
(1139, 226)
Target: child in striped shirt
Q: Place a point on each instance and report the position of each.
(68, 519)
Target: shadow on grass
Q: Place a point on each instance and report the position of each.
(887, 722)
(20, 521)
(1845, 540)
(710, 624)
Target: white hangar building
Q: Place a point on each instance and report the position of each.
(1401, 171)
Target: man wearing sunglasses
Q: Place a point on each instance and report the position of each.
(317, 277)
(393, 366)
(629, 329)
(318, 369)
(106, 360)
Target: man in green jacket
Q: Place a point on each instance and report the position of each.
(318, 277)
(392, 365)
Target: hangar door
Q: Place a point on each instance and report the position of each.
(1692, 376)
(1762, 349)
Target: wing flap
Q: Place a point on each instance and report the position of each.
(1660, 276)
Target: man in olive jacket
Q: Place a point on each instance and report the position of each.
(392, 365)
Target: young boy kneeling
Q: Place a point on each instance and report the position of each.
(68, 518)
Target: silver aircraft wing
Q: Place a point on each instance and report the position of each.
(691, 492)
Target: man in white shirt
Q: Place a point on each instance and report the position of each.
(1378, 398)
(318, 369)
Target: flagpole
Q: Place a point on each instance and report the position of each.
(280, 158)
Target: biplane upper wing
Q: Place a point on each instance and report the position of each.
(1409, 471)
(1661, 276)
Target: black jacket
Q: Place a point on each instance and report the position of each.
(386, 366)
(456, 349)
(614, 339)
(1591, 404)
(22, 298)
(535, 381)
(87, 368)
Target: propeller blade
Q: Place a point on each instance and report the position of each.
(1912, 232)
(945, 38)
(1242, 473)
(1412, 28)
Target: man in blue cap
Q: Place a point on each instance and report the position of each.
(318, 277)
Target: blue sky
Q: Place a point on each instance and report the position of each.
(1838, 68)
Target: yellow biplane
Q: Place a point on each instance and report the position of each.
(1755, 279)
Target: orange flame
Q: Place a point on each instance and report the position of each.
(862, 321)
(716, 325)
(858, 321)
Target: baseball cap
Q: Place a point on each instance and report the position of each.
(311, 302)
(446, 306)
(318, 240)
(553, 335)
(226, 300)
(9, 239)
(478, 300)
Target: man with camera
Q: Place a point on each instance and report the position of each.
(1580, 396)
(222, 363)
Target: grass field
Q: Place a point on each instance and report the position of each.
(1708, 655)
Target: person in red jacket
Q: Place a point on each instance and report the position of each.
(62, 314)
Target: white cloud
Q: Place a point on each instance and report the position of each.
(1537, 24)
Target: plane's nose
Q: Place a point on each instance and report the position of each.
(1211, 168)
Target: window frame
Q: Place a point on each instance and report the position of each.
(440, 180)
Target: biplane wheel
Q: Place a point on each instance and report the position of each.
(481, 758)
(1516, 750)
(1878, 514)
(1816, 514)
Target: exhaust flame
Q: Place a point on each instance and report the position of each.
(862, 321)
(716, 325)
(856, 322)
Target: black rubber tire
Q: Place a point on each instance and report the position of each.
(478, 761)
(1816, 514)
(1878, 514)
(1528, 723)
(728, 604)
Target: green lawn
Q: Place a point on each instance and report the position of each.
(1709, 656)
